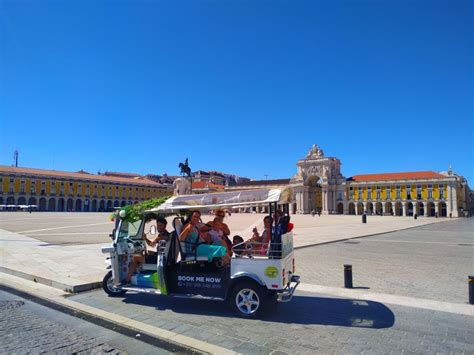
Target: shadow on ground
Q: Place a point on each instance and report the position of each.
(301, 310)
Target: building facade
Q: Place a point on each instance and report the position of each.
(424, 193)
(54, 190)
(318, 185)
(218, 178)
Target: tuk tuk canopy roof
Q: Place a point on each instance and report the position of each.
(224, 199)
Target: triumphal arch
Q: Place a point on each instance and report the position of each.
(318, 184)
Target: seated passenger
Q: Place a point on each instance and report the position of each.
(261, 242)
(218, 233)
(218, 230)
(149, 257)
(238, 245)
(195, 240)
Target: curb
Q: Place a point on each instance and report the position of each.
(48, 282)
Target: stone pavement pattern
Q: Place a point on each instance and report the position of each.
(310, 323)
(430, 262)
(323, 322)
(26, 327)
(319, 323)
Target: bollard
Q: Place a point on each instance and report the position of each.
(364, 218)
(347, 276)
(415, 216)
(470, 283)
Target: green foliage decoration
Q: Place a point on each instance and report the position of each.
(135, 212)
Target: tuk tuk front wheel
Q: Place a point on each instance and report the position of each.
(248, 299)
(109, 288)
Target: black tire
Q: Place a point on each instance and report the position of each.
(107, 285)
(248, 299)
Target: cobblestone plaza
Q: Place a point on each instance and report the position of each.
(409, 295)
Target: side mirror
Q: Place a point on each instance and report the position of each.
(152, 230)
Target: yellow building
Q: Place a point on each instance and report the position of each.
(53, 190)
(424, 193)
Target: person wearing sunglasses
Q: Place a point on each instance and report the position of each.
(218, 233)
(195, 237)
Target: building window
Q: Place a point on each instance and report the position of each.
(88, 190)
(360, 193)
(339, 196)
(22, 186)
(11, 186)
(62, 188)
(33, 187)
(43, 187)
(79, 189)
(398, 192)
(387, 192)
(430, 194)
(441, 191)
(418, 192)
(53, 188)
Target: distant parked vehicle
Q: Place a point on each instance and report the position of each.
(13, 208)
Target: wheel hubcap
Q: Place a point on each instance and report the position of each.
(111, 287)
(247, 301)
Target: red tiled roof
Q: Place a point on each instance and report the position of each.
(416, 175)
(78, 176)
(204, 184)
(264, 182)
(127, 175)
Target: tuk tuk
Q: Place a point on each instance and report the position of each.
(249, 283)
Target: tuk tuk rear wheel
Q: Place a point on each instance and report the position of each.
(109, 288)
(248, 299)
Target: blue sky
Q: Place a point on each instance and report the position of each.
(242, 87)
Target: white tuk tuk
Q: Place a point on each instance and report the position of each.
(251, 282)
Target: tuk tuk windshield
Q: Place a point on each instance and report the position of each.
(129, 229)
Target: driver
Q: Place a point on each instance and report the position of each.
(149, 257)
